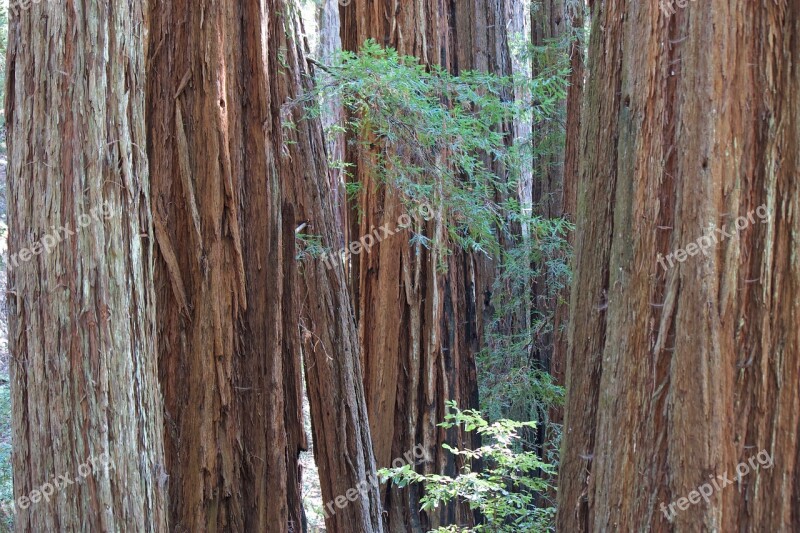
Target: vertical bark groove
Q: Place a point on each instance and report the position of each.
(81, 311)
(678, 375)
(234, 182)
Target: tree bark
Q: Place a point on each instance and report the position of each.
(226, 175)
(86, 403)
(327, 325)
(678, 373)
(574, 13)
(419, 328)
(219, 277)
(554, 189)
(333, 116)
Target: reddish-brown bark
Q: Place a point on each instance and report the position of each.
(81, 303)
(676, 375)
(230, 186)
(419, 325)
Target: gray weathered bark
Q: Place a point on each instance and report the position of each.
(81, 307)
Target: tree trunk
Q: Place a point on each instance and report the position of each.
(87, 423)
(574, 13)
(328, 331)
(226, 209)
(547, 25)
(554, 189)
(419, 328)
(683, 368)
(333, 116)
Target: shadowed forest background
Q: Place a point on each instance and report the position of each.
(377, 265)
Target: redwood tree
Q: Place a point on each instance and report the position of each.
(553, 192)
(231, 184)
(420, 325)
(81, 306)
(680, 370)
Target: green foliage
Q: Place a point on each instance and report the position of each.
(442, 139)
(533, 272)
(512, 385)
(352, 188)
(504, 491)
(309, 246)
(442, 135)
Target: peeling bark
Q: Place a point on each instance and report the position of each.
(219, 276)
(81, 307)
(419, 328)
(229, 191)
(677, 375)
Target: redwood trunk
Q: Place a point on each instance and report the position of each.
(678, 374)
(225, 191)
(554, 185)
(419, 328)
(327, 325)
(86, 404)
(333, 116)
(219, 285)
